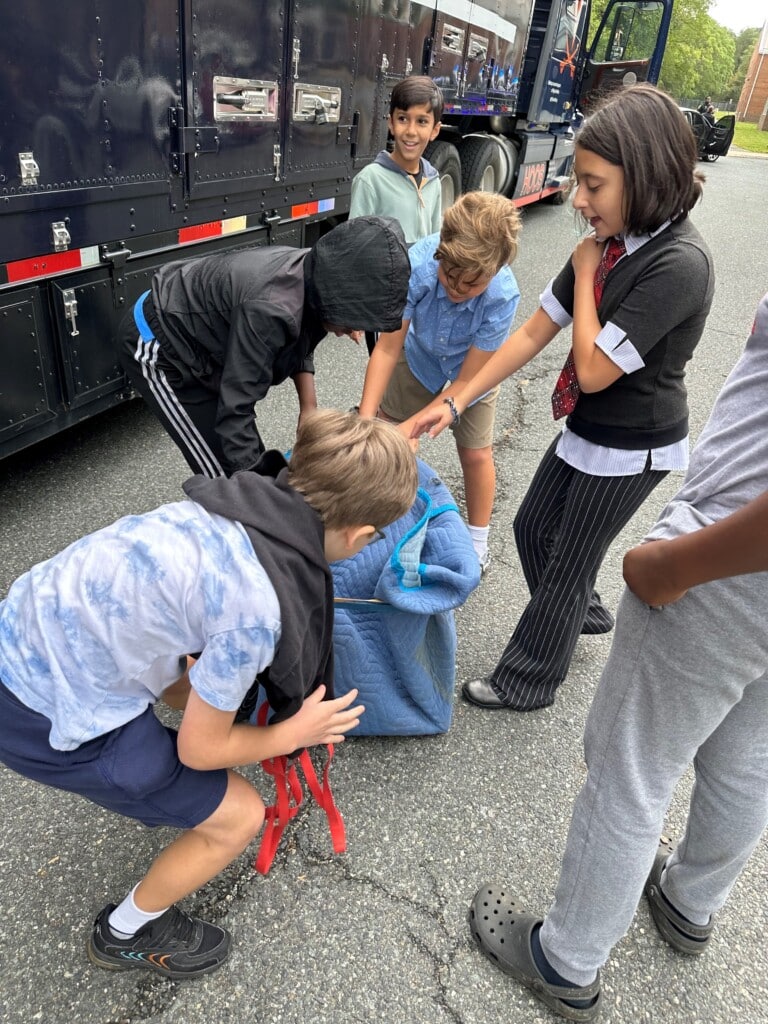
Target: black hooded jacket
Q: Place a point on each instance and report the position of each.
(287, 536)
(241, 321)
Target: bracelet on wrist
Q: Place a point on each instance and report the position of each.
(454, 411)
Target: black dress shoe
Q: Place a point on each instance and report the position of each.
(597, 622)
(482, 694)
(598, 619)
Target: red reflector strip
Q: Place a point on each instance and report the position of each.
(199, 231)
(525, 200)
(304, 210)
(39, 266)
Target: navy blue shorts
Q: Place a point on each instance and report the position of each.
(134, 770)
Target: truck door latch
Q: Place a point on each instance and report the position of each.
(60, 237)
(116, 258)
(28, 168)
(70, 310)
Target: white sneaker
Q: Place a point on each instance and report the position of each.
(485, 562)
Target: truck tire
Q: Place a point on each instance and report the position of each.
(444, 157)
(488, 163)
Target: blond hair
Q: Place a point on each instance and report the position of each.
(353, 471)
(479, 234)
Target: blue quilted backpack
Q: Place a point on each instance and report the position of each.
(394, 631)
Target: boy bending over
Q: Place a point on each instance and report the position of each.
(462, 298)
(93, 637)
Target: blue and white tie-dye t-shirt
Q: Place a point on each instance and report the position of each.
(94, 635)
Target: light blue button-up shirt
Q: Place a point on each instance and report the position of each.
(441, 332)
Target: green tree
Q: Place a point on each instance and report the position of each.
(700, 54)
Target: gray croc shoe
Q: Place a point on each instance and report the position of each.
(503, 932)
(681, 934)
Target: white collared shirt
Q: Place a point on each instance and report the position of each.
(597, 459)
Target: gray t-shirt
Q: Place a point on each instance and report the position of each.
(729, 464)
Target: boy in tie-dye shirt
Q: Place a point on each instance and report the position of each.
(93, 637)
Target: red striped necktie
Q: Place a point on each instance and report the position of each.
(566, 392)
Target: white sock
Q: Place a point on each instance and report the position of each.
(126, 919)
(479, 535)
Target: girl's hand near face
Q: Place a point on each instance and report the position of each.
(586, 256)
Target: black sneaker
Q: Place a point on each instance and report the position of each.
(175, 945)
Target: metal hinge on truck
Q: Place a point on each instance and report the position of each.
(189, 141)
(116, 258)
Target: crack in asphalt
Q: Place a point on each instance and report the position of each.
(441, 962)
(154, 995)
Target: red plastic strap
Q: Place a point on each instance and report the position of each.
(324, 797)
(288, 799)
(289, 796)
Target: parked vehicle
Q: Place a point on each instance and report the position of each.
(136, 133)
(713, 139)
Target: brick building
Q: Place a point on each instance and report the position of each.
(753, 100)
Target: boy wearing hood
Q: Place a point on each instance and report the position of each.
(92, 638)
(213, 334)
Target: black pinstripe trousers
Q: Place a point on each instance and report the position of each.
(563, 528)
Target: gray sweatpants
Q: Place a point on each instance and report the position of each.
(685, 683)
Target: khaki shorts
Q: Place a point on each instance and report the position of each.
(405, 395)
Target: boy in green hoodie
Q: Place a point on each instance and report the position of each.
(403, 184)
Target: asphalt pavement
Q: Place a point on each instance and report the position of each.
(379, 933)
